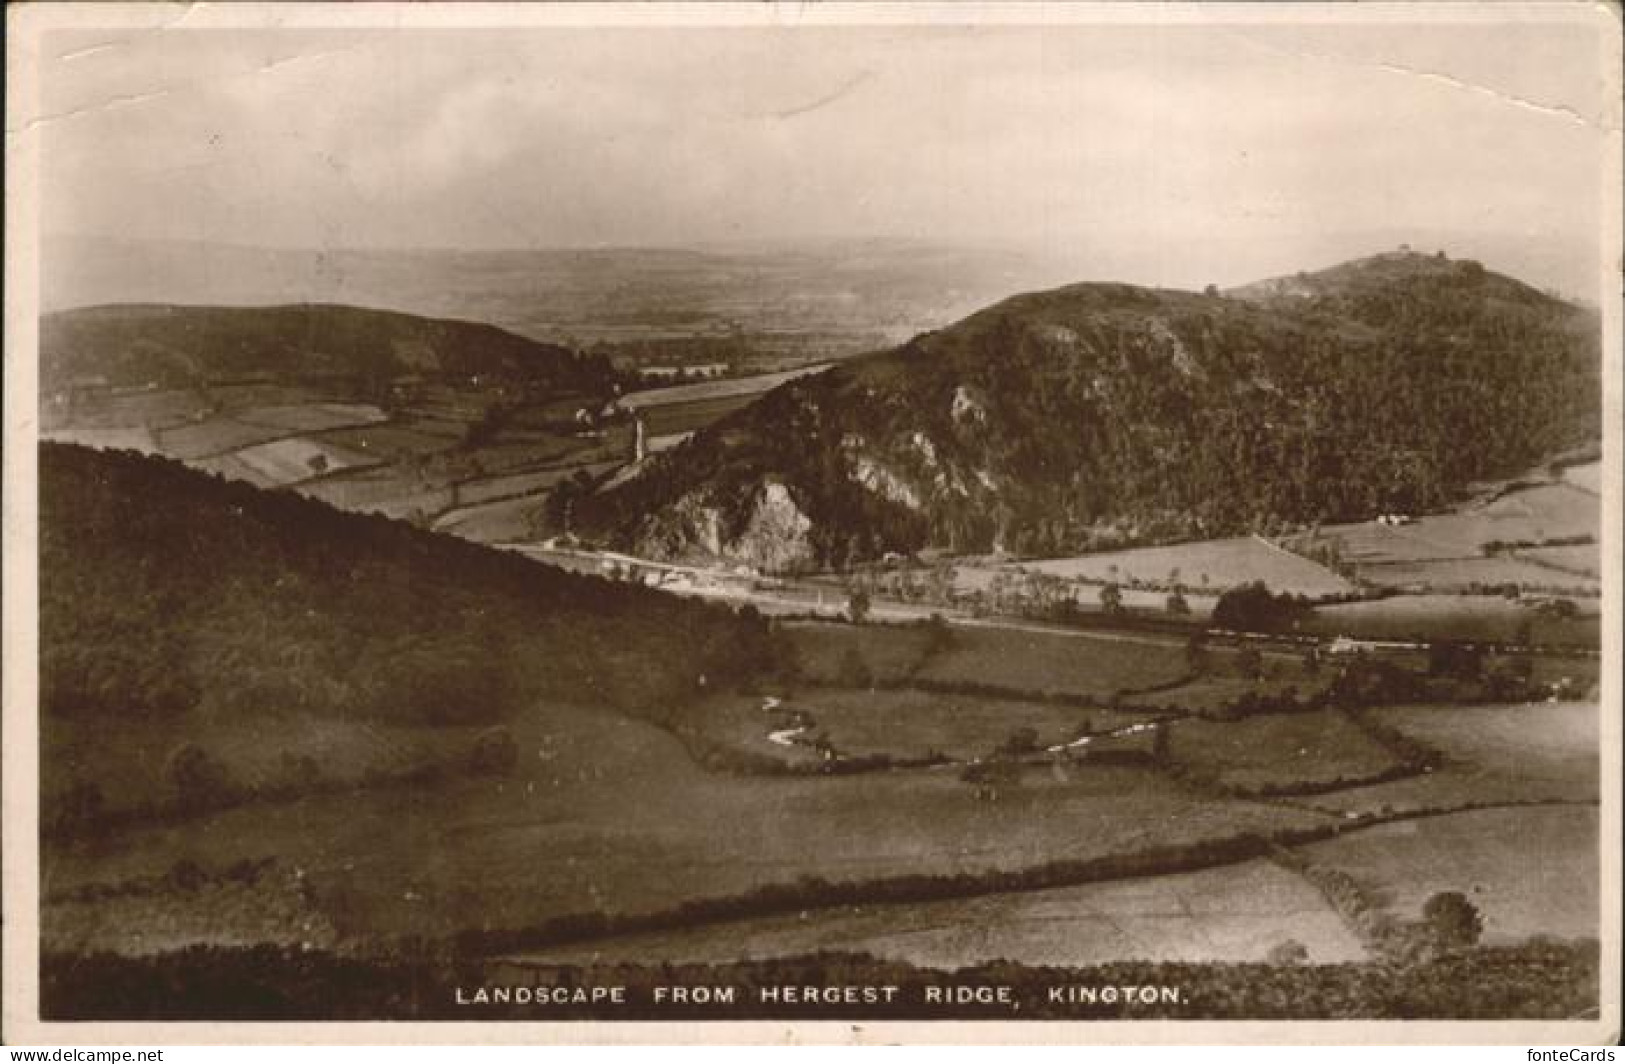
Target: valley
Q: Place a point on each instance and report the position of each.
(399, 637)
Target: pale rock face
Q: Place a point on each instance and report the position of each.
(966, 408)
(1177, 353)
(883, 482)
(775, 537)
(1058, 334)
(927, 449)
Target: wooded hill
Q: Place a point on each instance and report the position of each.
(1099, 415)
(134, 345)
(166, 591)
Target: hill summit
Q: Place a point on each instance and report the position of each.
(166, 345)
(1103, 415)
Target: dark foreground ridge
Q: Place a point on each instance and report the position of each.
(1538, 980)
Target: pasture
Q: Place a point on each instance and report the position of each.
(135, 409)
(284, 462)
(829, 653)
(1206, 566)
(1467, 574)
(668, 419)
(1586, 477)
(1278, 751)
(1488, 618)
(1529, 871)
(127, 759)
(1527, 515)
(312, 417)
(1542, 751)
(1234, 913)
(1582, 558)
(106, 439)
(711, 391)
(395, 441)
(1044, 661)
(1211, 694)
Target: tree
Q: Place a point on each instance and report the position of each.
(1021, 741)
(1287, 954)
(1111, 598)
(1451, 922)
(1252, 608)
(857, 605)
(1249, 663)
(992, 777)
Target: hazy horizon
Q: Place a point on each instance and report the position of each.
(1157, 153)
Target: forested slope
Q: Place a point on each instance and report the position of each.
(1098, 415)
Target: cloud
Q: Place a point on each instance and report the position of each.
(1124, 134)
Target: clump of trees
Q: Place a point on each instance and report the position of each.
(1253, 608)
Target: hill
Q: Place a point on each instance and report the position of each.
(761, 306)
(1102, 415)
(145, 345)
(168, 594)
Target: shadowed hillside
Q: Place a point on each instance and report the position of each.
(166, 592)
(178, 346)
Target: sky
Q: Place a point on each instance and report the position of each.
(1157, 144)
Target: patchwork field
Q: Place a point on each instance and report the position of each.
(1235, 913)
(1529, 871)
(143, 408)
(1447, 551)
(1468, 574)
(284, 462)
(214, 438)
(1210, 565)
(903, 723)
(608, 814)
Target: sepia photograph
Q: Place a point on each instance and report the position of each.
(861, 522)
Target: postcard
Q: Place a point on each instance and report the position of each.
(837, 522)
